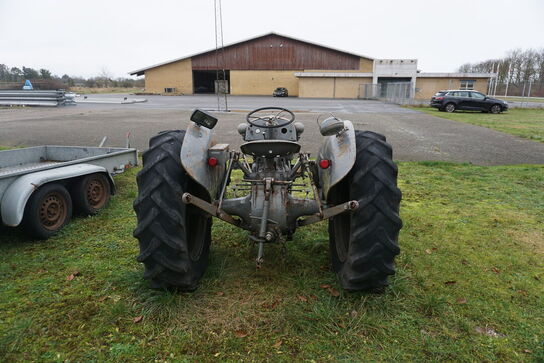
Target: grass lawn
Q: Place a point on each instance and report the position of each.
(522, 122)
(469, 286)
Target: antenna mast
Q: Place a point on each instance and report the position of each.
(221, 82)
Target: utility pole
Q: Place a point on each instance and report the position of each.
(508, 79)
(491, 79)
(529, 93)
(221, 82)
(496, 78)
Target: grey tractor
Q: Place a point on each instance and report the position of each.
(186, 180)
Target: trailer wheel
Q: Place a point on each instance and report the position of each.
(47, 211)
(174, 237)
(91, 193)
(364, 243)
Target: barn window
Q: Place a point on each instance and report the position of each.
(467, 84)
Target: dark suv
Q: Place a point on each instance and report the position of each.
(452, 100)
(280, 92)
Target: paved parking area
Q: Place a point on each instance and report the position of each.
(415, 136)
(247, 103)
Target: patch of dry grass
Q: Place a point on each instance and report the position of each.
(89, 90)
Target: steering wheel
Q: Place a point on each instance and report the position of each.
(270, 121)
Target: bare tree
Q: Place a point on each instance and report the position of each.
(516, 68)
(104, 78)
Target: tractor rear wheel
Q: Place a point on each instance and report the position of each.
(174, 237)
(364, 243)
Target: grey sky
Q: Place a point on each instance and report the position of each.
(83, 37)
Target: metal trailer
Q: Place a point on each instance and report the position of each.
(41, 186)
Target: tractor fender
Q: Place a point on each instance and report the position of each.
(17, 194)
(340, 150)
(195, 150)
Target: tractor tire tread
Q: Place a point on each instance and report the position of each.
(375, 225)
(161, 215)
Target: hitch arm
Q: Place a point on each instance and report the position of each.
(329, 212)
(209, 208)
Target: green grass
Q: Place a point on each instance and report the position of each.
(469, 286)
(526, 123)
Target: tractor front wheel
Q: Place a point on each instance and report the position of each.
(174, 237)
(364, 243)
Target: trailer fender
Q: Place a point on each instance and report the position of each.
(340, 151)
(198, 145)
(17, 194)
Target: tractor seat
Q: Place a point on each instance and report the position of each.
(270, 148)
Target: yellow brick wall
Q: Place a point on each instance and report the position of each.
(366, 65)
(313, 87)
(335, 70)
(349, 87)
(262, 82)
(177, 75)
(316, 87)
(427, 87)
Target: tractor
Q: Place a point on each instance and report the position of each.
(187, 179)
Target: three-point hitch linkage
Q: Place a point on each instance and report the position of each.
(270, 211)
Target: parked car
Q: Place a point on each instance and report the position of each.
(280, 92)
(451, 100)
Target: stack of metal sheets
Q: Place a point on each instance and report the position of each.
(32, 98)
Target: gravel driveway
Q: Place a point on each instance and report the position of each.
(415, 136)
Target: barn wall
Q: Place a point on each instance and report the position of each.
(310, 87)
(313, 87)
(427, 87)
(349, 87)
(262, 82)
(273, 52)
(177, 75)
(366, 65)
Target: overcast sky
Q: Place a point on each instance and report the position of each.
(84, 37)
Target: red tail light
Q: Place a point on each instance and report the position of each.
(324, 164)
(439, 98)
(212, 161)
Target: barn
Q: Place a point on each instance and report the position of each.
(259, 65)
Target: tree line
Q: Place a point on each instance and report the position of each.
(517, 68)
(44, 79)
